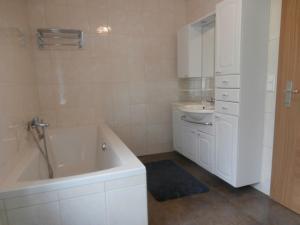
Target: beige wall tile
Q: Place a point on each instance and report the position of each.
(125, 78)
(138, 114)
(56, 15)
(151, 6)
(158, 113)
(139, 139)
(18, 89)
(98, 15)
(137, 92)
(199, 8)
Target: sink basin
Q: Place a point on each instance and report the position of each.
(197, 112)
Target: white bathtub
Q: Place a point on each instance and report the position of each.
(91, 186)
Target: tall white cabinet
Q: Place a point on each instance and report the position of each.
(241, 66)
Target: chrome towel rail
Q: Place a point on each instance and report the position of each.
(194, 122)
(59, 37)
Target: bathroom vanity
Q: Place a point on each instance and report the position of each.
(227, 141)
(194, 138)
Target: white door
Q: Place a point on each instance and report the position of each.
(228, 36)
(189, 142)
(226, 146)
(205, 151)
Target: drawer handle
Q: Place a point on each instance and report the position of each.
(224, 108)
(199, 123)
(225, 81)
(225, 95)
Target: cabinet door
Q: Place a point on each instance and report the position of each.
(205, 151)
(189, 52)
(183, 52)
(228, 36)
(189, 142)
(177, 133)
(226, 146)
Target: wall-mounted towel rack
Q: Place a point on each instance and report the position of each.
(55, 37)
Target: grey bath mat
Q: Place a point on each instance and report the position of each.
(166, 180)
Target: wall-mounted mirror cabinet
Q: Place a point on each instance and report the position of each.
(196, 49)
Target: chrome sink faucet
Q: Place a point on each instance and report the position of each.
(211, 100)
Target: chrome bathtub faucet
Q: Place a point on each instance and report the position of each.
(37, 122)
(37, 128)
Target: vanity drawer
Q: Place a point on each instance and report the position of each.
(227, 108)
(232, 81)
(229, 95)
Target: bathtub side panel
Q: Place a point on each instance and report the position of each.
(89, 209)
(3, 220)
(44, 214)
(127, 206)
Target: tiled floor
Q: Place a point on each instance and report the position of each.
(222, 205)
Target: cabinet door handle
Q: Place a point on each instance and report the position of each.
(193, 122)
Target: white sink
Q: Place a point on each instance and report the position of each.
(197, 112)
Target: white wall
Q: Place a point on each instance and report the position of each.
(274, 34)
